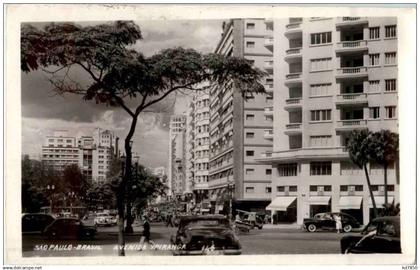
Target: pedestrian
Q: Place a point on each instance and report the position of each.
(338, 223)
(169, 220)
(146, 229)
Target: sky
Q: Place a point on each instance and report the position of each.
(43, 111)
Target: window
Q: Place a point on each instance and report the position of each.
(373, 32)
(249, 153)
(320, 89)
(374, 59)
(250, 44)
(249, 117)
(268, 98)
(391, 85)
(320, 64)
(250, 26)
(390, 187)
(293, 188)
(323, 140)
(390, 58)
(390, 112)
(327, 188)
(268, 171)
(374, 86)
(320, 38)
(359, 188)
(390, 31)
(321, 115)
(289, 169)
(343, 188)
(250, 135)
(249, 171)
(269, 27)
(374, 113)
(280, 188)
(268, 190)
(375, 187)
(320, 168)
(313, 188)
(249, 189)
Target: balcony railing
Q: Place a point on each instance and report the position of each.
(352, 45)
(293, 51)
(293, 25)
(351, 21)
(351, 18)
(268, 42)
(349, 124)
(293, 100)
(268, 64)
(268, 134)
(292, 76)
(268, 110)
(352, 98)
(269, 87)
(294, 126)
(351, 72)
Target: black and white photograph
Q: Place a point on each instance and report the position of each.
(239, 135)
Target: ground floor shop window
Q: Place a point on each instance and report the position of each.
(315, 209)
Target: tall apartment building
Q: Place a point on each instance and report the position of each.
(92, 154)
(199, 141)
(60, 150)
(189, 149)
(241, 129)
(331, 76)
(177, 159)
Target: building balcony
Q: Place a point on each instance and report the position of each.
(312, 153)
(268, 43)
(268, 65)
(293, 79)
(268, 134)
(293, 104)
(351, 124)
(293, 30)
(269, 87)
(348, 73)
(351, 99)
(270, 24)
(293, 55)
(351, 21)
(268, 110)
(293, 128)
(348, 47)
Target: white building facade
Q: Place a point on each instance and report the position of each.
(331, 76)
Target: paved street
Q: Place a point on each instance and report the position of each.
(265, 241)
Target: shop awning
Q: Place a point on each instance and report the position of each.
(350, 202)
(281, 203)
(319, 200)
(380, 201)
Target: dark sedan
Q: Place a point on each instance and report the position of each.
(205, 235)
(71, 228)
(381, 235)
(35, 222)
(326, 221)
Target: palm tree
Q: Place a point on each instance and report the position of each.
(385, 149)
(359, 148)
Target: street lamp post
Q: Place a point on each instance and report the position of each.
(51, 191)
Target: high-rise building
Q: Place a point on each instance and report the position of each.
(177, 159)
(92, 154)
(198, 142)
(331, 76)
(240, 129)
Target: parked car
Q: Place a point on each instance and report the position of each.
(105, 219)
(206, 235)
(251, 218)
(69, 228)
(36, 222)
(381, 235)
(326, 221)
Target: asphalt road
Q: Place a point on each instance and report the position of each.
(265, 241)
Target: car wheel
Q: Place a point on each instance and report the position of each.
(347, 228)
(311, 228)
(260, 227)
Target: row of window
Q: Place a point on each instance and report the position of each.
(226, 173)
(325, 89)
(390, 58)
(201, 179)
(323, 188)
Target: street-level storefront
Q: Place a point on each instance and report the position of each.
(352, 205)
(283, 209)
(380, 204)
(319, 204)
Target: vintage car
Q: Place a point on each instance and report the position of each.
(205, 235)
(105, 219)
(381, 235)
(326, 221)
(35, 222)
(71, 228)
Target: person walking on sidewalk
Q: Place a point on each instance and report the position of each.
(338, 223)
(146, 229)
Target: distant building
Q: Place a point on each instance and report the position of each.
(92, 154)
(176, 171)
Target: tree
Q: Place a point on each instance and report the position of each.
(385, 149)
(124, 78)
(74, 180)
(359, 148)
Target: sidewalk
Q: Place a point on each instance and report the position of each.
(282, 226)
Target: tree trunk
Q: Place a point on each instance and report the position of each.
(386, 183)
(375, 210)
(129, 222)
(120, 207)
